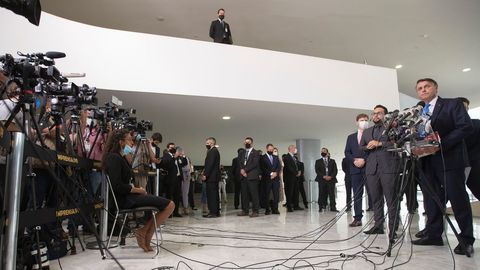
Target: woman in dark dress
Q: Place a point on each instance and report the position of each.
(128, 196)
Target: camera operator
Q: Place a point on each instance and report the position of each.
(156, 159)
(94, 140)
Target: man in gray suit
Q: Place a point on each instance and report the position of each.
(250, 171)
(382, 169)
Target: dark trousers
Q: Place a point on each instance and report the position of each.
(301, 189)
(370, 204)
(191, 192)
(457, 195)
(172, 191)
(213, 197)
(473, 181)
(272, 186)
(327, 189)
(358, 183)
(250, 194)
(348, 191)
(383, 187)
(411, 193)
(291, 191)
(262, 194)
(238, 191)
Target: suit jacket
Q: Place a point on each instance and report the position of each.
(450, 119)
(473, 141)
(321, 172)
(345, 166)
(270, 167)
(168, 164)
(290, 168)
(211, 169)
(352, 151)
(379, 160)
(235, 170)
(301, 168)
(219, 33)
(251, 165)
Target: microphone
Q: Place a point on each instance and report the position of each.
(412, 111)
(55, 55)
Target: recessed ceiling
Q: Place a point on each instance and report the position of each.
(189, 120)
(430, 38)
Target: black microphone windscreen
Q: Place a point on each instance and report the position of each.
(55, 55)
(421, 103)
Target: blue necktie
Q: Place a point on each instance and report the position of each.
(426, 109)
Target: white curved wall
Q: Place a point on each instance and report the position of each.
(122, 60)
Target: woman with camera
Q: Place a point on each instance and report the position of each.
(120, 173)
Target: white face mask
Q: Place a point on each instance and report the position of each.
(363, 124)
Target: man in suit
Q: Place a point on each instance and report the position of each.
(382, 170)
(473, 146)
(271, 177)
(220, 30)
(211, 175)
(326, 169)
(290, 174)
(237, 178)
(301, 181)
(173, 178)
(348, 183)
(250, 171)
(356, 160)
(445, 170)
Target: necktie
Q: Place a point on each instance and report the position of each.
(426, 109)
(271, 159)
(359, 136)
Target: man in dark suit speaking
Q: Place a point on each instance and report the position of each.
(445, 170)
(220, 30)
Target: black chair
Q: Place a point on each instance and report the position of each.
(125, 213)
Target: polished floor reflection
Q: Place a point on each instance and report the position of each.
(306, 239)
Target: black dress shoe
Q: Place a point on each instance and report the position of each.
(306, 205)
(349, 209)
(242, 214)
(427, 241)
(374, 230)
(355, 223)
(267, 212)
(298, 208)
(275, 212)
(289, 209)
(254, 214)
(211, 216)
(468, 250)
(421, 234)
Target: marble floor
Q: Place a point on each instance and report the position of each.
(306, 239)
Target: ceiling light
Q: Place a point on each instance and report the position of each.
(226, 117)
(466, 69)
(398, 66)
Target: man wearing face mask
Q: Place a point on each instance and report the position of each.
(356, 160)
(290, 174)
(212, 175)
(382, 169)
(326, 169)
(250, 171)
(270, 175)
(220, 30)
(173, 177)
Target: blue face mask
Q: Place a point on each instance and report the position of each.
(127, 150)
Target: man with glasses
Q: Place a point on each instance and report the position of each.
(382, 169)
